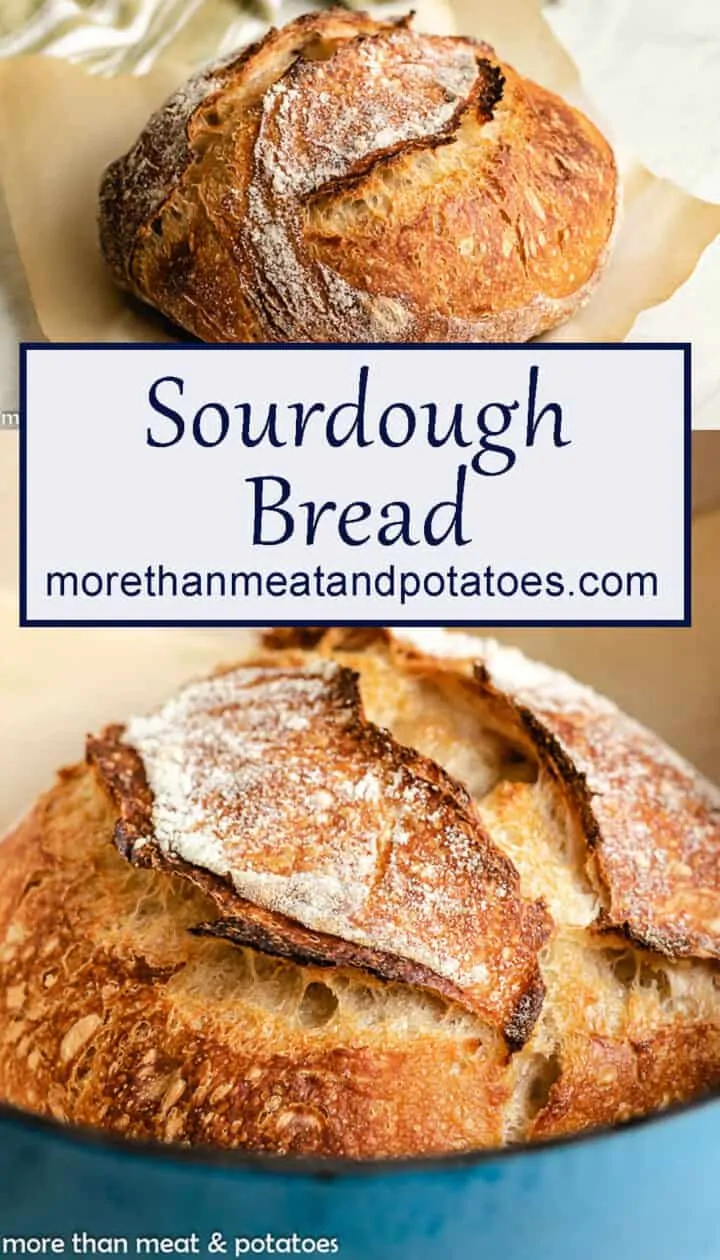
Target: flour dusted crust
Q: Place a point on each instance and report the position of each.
(352, 180)
(651, 823)
(272, 780)
(221, 929)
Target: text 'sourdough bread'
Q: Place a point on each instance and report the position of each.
(365, 893)
(353, 180)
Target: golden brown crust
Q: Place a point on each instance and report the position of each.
(116, 1016)
(117, 1013)
(297, 791)
(606, 1080)
(651, 824)
(348, 179)
(633, 804)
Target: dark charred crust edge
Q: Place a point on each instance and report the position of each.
(485, 95)
(275, 935)
(125, 207)
(492, 89)
(272, 934)
(526, 1014)
(672, 945)
(573, 784)
(121, 772)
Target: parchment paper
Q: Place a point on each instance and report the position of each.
(56, 685)
(59, 127)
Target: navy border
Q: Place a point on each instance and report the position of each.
(233, 623)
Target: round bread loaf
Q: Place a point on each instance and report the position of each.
(353, 180)
(364, 895)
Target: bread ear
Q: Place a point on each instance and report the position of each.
(322, 839)
(138, 1000)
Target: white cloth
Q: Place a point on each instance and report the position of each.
(17, 316)
(652, 68)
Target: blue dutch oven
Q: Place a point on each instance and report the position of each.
(646, 1191)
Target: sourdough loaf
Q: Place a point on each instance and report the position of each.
(353, 180)
(365, 893)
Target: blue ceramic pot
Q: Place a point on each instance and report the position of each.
(647, 1191)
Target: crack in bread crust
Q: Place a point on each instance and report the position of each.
(257, 204)
(649, 821)
(122, 1013)
(122, 771)
(651, 824)
(333, 844)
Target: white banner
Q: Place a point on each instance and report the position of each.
(450, 485)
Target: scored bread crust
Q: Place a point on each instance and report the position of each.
(331, 843)
(119, 1015)
(352, 180)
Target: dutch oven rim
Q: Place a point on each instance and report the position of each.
(330, 1168)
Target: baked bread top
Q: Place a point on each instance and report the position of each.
(352, 180)
(367, 893)
(321, 838)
